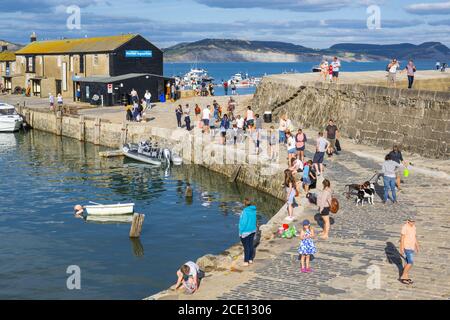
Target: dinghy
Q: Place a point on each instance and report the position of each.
(151, 154)
(110, 210)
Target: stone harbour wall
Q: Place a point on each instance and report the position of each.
(418, 120)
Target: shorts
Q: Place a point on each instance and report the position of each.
(392, 77)
(332, 143)
(223, 133)
(250, 122)
(335, 74)
(318, 157)
(206, 122)
(292, 151)
(409, 255)
(301, 149)
(306, 181)
(325, 212)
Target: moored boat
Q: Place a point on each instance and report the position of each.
(110, 210)
(151, 154)
(10, 121)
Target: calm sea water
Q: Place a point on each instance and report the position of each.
(44, 176)
(224, 71)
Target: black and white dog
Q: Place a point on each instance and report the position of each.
(366, 192)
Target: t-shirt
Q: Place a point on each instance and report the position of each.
(206, 114)
(331, 131)
(410, 69)
(291, 143)
(193, 268)
(393, 68)
(409, 233)
(250, 115)
(258, 123)
(324, 199)
(240, 123)
(148, 96)
(306, 172)
(322, 144)
(300, 138)
(336, 65)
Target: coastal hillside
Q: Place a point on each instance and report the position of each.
(226, 50)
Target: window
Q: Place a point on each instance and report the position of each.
(30, 64)
(81, 63)
(95, 60)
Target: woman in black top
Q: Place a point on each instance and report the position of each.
(396, 155)
(179, 113)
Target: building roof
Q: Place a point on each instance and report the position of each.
(7, 56)
(105, 79)
(83, 45)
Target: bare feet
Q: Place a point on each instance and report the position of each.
(246, 264)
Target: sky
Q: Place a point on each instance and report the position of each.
(311, 23)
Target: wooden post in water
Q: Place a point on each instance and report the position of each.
(136, 225)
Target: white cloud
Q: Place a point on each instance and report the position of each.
(441, 8)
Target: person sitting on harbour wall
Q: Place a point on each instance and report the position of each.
(189, 276)
(247, 231)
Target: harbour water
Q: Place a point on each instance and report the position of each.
(224, 71)
(43, 176)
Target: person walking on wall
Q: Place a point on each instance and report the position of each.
(324, 203)
(389, 170)
(291, 191)
(410, 71)
(409, 246)
(336, 64)
(396, 155)
(187, 117)
(51, 99)
(332, 135)
(392, 69)
(247, 231)
(179, 114)
(148, 98)
(321, 147)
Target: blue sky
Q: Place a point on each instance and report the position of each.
(312, 23)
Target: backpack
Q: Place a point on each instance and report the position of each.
(334, 205)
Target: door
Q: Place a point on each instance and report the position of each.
(58, 86)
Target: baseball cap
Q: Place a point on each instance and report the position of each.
(306, 223)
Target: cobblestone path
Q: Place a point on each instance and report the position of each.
(364, 242)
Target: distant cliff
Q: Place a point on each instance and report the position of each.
(223, 50)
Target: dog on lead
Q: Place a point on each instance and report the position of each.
(366, 193)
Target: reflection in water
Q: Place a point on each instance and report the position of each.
(44, 176)
(137, 247)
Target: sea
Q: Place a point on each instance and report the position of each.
(224, 71)
(43, 176)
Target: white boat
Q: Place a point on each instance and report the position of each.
(110, 210)
(10, 121)
(245, 81)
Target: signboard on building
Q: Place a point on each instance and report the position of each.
(138, 54)
(110, 88)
